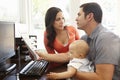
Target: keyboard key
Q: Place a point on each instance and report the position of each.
(34, 68)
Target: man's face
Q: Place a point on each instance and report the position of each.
(81, 20)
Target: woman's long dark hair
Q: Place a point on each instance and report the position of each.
(49, 21)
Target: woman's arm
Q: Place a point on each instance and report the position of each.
(62, 57)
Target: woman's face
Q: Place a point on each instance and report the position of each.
(59, 21)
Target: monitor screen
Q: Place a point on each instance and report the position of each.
(7, 41)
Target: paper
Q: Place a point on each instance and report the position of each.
(30, 46)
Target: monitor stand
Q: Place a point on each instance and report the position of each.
(6, 67)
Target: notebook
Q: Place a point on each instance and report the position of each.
(30, 47)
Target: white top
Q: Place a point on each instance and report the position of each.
(81, 64)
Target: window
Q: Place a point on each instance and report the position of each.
(39, 8)
(9, 10)
(110, 13)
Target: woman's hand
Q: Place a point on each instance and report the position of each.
(40, 54)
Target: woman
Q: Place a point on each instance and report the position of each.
(57, 37)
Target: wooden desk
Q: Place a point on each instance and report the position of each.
(14, 75)
(19, 59)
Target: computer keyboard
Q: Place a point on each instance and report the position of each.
(34, 68)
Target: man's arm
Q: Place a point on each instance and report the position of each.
(103, 72)
(62, 75)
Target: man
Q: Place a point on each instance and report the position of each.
(104, 45)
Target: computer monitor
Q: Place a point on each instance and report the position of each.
(7, 45)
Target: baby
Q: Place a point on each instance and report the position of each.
(78, 51)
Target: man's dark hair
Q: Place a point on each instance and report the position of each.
(93, 8)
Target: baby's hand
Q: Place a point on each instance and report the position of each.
(52, 75)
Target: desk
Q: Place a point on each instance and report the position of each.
(20, 62)
(13, 75)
